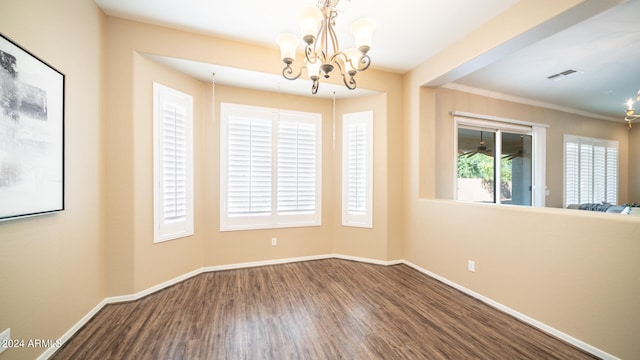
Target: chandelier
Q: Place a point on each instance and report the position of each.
(630, 115)
(322, 53)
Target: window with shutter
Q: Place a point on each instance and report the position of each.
(357, 169)
(296, 167)
(249, 165)
(591, 170)
(611, 170)
(572, 173)
(173, 164)
(174, 182)
(270, 168)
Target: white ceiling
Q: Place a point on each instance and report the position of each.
(406, 34)
(605, 48)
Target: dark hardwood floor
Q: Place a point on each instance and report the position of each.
(325, 309)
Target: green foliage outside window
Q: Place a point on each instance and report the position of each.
(481, 166)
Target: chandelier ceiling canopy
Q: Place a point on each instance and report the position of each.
(322, 51)
(630, 114)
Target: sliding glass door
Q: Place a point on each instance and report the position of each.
(494, 165)
(476, 165)
(516, 169)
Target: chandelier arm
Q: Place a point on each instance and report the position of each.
(362, 63)
(310, 54)
(365, 61)
(630, 118)
(287, 72)
(322, 56)
(311, 50)
(323, 32)
(350, 83)
(332, 33)
(340, 59)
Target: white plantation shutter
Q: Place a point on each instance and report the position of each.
(270, 168)
(572, 173)
(599, 174)
(249, 165)
(173, 171)
(611, 176)
(357, 169)
(297, 167)
(591, 170)
(174, 162)
(586, 173)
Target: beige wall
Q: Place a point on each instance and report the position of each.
(573, 271)
(560, 123)
(134, 262)
(246, 246)
(52, 267)
(354, 241)
(576, 272)
(569, 270)
(156, 263)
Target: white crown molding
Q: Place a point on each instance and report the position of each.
(525, 101)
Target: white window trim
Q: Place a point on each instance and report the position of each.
(349, 218)
(170, 230)
(273, 219)
(538, 133)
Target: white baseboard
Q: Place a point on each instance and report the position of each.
(265, 263)
(116, 299)
(366, 260)
(64, 338)
(151, 290)
(123, 298)
(533, 322)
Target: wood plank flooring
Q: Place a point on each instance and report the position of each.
(324, 309)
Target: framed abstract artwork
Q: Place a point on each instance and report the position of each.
(31, 134)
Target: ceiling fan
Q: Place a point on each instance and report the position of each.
(481, 149)
(517, 154)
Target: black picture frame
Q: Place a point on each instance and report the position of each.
(31, 134)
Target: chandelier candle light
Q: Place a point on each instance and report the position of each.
(322, 53)
(630, 116)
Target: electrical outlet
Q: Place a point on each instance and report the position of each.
(274, 241)
(5, 338)
(471, 266)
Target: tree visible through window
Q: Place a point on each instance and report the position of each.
(494, 166)
(499, 160)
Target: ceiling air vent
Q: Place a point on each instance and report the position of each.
(564, 74)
